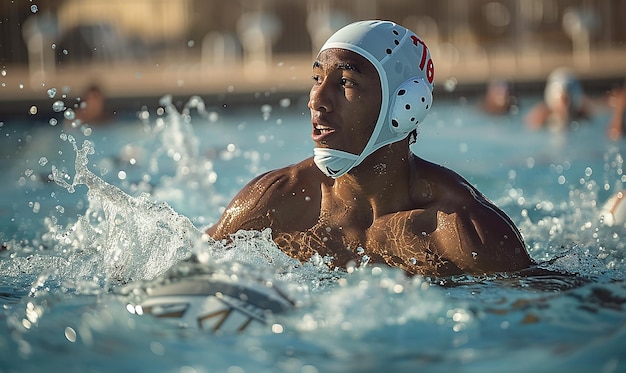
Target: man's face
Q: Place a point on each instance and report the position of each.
(345, 100)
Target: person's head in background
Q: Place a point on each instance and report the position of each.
(564, 95)
(499, 98)
(564, 102)
(91, 109)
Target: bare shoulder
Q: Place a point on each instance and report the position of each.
(442, 185)
(537, 116)
(271, 199)
(472, 231)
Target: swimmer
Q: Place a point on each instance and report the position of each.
(617, 123)
(364, 193)
(499, 98)
(564, 102)
(91, 110)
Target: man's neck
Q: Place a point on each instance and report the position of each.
(381, 181)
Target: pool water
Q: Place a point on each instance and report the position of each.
(89, 213)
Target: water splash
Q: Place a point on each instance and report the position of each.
(136, 237)
(190, 188)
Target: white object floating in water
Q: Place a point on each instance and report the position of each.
(613, 212)
(215, 303)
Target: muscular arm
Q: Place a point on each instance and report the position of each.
(487, 241)
(272, 200)
(471, 233)
(245, 211)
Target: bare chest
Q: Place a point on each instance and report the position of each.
(402, 239)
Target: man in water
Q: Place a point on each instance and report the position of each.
(564, 102)
(364, 192)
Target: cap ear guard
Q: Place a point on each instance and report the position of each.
(411, 104)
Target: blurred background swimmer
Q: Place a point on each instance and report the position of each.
(617, 102)
(564, 102)
(499, 98)
(91, 107)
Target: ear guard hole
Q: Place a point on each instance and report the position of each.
(411, 104)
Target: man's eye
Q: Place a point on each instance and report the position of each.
(347, 82)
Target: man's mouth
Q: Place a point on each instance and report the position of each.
(322, 129)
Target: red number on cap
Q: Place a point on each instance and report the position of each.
(430, 71)
(430, 67)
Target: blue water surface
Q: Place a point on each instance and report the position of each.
(84, 220)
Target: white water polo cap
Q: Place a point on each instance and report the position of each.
(406, 73)
(563, 81)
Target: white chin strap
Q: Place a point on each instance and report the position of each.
(334, 163)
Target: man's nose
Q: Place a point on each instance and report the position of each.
(319, 98)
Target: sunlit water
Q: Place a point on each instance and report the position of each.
(92, 215)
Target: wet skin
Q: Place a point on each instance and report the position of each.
(394, 207)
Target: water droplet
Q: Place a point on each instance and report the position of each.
(54, 46)
(33, 8)
(69, 114)
(3, 73)
(58, 106)
(450, 84)
(21, 86)
(191, 43)
(70, 334)
(277, 329)
(43, 161)
(266, 110)
(52, 92)
(53, 122)
(33, 110)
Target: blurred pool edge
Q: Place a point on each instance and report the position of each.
(128, 88)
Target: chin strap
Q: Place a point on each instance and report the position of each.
(334, 163)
